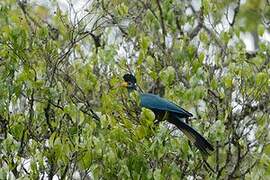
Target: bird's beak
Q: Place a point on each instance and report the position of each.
(122, 84)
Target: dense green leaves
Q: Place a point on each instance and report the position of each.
(63, 114)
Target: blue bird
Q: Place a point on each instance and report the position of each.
(166, 110)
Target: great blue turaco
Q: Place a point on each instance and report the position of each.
(167, 110)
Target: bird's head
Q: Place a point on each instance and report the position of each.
(129, 82)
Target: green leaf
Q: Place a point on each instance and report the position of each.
(3, 173)
(52, 139)
(104, 121)
(214, 84)
(144, 43)
(122, 9)
(185, 148)
(150, 61)
(140, 58)
(140, 132)
(225, 37)
(261, 78)
(157, 174)
(203, 37)
(261, 29)
(132, 30)
(147, 116)
(167, 75)
(228, 81)
(86, 160)
(201, 57)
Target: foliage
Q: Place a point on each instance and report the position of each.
(60, 113)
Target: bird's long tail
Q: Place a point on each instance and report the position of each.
(199, 141)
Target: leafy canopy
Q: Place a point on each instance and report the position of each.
(60, 114)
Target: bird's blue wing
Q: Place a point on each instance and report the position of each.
(155, 102)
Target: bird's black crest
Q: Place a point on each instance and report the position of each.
(130, 78)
